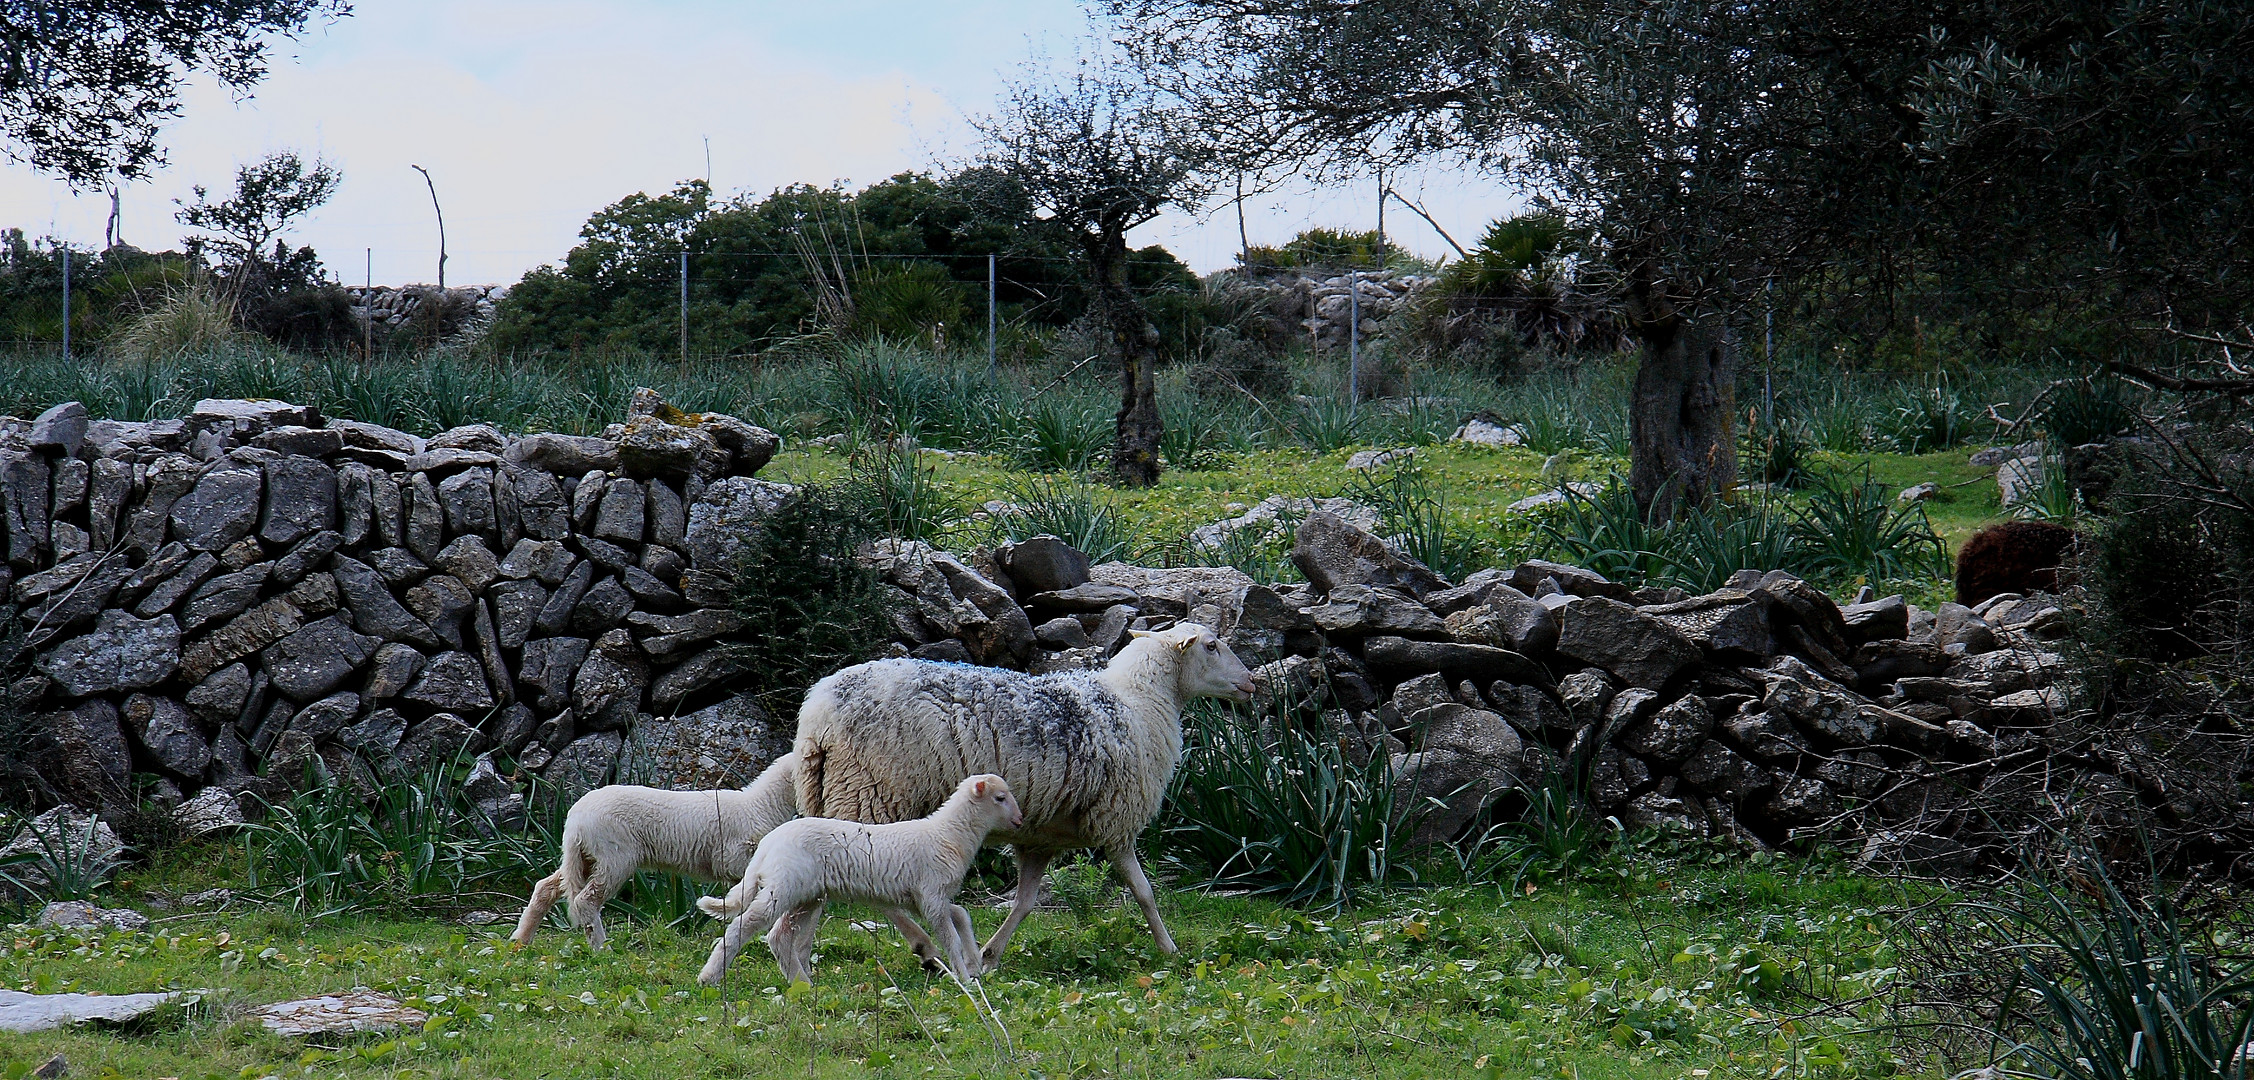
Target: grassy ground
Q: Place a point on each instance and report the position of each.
(1656, 965)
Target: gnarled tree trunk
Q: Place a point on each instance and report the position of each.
(1134, 448)
(1683, 447)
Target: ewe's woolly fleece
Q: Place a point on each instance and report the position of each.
(1088, 753)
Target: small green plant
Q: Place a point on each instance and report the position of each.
(1084, 886)
(1927, 418)
(1067, 509)
(68, 858)
(1063, 435)
(1557, 834)
(2121, 987)
(1780, 453)
(1323, 424)
(2089, 409)
(901, 494)
(2052, 496)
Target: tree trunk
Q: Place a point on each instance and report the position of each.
(1683, 448)
(1134, 448)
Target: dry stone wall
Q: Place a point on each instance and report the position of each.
(251, 594)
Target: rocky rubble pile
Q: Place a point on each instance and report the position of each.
(251, 595)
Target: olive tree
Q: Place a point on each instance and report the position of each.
(1096, 156)
(85, 84)
(1705, 147)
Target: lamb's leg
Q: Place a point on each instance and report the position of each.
(1031, 866)
(918, 942)
(792, 945)
(757, 917)
(587, 907)
(544, 897)
(1130, 868)
(970, 960)
(949, 930)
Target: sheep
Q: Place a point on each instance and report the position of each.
(614, 832)
(909, 864)
(1089, 753)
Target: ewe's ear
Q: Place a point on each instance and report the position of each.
(978, 789)
(1185, 642)
(1139, 633)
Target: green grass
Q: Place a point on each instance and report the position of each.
(1653, 966)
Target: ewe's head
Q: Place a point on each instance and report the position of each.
(991, 794)
(1209, 667)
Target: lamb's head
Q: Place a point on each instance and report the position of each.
(1209, 668)
(990, 794)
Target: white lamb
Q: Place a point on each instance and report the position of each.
(909, 865)
(614, 832)
(1089, 753)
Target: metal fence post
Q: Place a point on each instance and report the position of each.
(990, 319)
(66, 302)
(1353, 339)
(684, 307)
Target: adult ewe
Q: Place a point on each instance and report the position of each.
(2014, 556)
(615, 832)
(1089, 753)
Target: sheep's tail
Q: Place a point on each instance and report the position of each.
(739, 896)
(809, 777)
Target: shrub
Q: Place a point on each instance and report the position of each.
(809, 606)
(1926, 418)
(2089, 409)
(1853, 529)
(901, 495)
(1062, 435)
(1414, 513)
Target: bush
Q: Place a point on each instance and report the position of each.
(1854, 530)
(1414, 513)
(809, 607)
(1069, 510)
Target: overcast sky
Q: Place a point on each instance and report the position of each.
(531, 114)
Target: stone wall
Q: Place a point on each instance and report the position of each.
(391, 306)
(1316, 307)
(250, 595)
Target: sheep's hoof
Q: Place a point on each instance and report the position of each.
(932, 965)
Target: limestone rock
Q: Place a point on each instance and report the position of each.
(91, 763)
(301, 498)
(1816, 704)
(607, 691)
(1670, 735)
(470, 561)
(1333, 553)
(221, 509)
(722, 746)
(563, 455)
(371, 604)
(1357, 610)
(587, 763)
(120, 653)
(1528, 577)
(170, 735)
(1480, 663)
(452, 681)
(60, 430)
(1729, 623)
(1043, 564)
(209, 811)
(728, 512)
(25, 1013)
(316, 658)
(340, 1014)
(1639, 649)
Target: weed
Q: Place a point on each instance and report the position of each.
(1084, 886)
(66, 858)
(1927, 418)
(1323, 424)
(1062, 435)
(2089, 409)
(902, 494)
(813, 606)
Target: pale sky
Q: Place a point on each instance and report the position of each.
(531, 114)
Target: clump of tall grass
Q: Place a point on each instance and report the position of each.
(1068, 509)
(1413, 513)
(419, 841)
(1263, 806)
(191, 318)
(1062, 435)
(1849, 530)
(902, 495)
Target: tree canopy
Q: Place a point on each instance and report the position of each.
(86, 84)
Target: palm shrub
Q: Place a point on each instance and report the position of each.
(901, 494)
(1062, 434)
(1927, 418)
